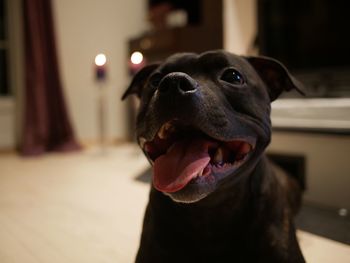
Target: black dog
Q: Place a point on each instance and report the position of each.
(204, 123)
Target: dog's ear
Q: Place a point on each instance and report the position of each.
(275, 75)
(139, 80)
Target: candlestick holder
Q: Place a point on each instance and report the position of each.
(100, 75)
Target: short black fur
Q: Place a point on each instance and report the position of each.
(243, 216)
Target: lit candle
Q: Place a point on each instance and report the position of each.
(137, 61)
(100, 61)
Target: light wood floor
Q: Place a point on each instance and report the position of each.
(87, 207)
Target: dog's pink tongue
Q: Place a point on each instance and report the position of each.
(184, 160)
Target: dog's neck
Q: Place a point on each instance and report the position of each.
(224, 213)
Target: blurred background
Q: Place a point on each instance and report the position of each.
(73, 184)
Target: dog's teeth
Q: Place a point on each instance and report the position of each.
(162, 132)
(201, 172)
(219, 156)
(142, 142)
(240, 157)
(245, 148)
(167, 126)
(170, 148)
(165, 130)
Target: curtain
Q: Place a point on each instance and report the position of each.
(46, 124)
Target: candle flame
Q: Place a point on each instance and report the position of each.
(136, 58)
(100, 59)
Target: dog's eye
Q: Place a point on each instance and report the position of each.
(155, 79)
(232, 76)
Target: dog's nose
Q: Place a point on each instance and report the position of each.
(178, 82)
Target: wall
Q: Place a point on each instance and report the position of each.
(327, 165)
(239, 25)
(10, 107)
(7, 123)
(85, 28)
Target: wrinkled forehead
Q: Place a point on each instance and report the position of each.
(206, 62)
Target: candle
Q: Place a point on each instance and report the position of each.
(136, 58)
(137, 61)
(100, 61)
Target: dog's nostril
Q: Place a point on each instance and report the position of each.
(180, 83)
(166, 85)
(186, 86)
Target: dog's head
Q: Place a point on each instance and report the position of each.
(205, 119)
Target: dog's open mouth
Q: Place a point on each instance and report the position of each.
(181, 155)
